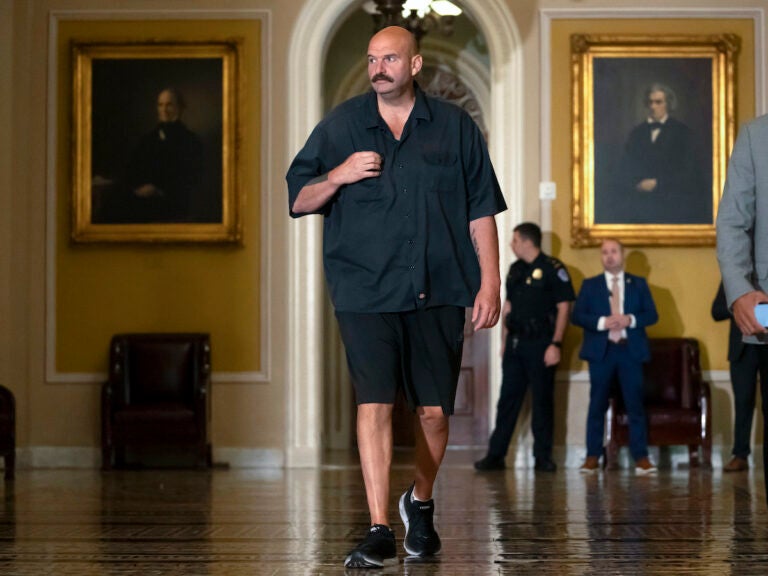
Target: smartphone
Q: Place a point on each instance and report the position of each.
(761, 313)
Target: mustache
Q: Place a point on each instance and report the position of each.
(382, 76)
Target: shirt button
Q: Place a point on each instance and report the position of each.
(422, 296)
(412, 267)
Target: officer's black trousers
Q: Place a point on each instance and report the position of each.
(523, 366)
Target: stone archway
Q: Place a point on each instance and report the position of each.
(309, 42)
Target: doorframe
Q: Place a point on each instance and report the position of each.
(311, 35)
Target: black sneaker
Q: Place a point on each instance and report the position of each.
(489, 463)
(376, 549)
(420, 536)
(545, 465)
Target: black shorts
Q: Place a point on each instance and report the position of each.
(419, 350)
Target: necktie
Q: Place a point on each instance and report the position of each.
(615, 335)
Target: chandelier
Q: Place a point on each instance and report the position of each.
(417, 16)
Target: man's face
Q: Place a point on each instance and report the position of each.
(518, 245)
(657, 105)
(391, 62)
(167, 107)
(612, 256)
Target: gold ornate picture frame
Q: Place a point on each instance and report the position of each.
(653, 124)
(155, 142)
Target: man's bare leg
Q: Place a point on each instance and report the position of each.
(374, 442)
(431, 442)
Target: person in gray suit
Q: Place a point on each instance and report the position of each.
(742, 242)
(744, 368)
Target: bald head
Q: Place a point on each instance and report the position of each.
(395, 36)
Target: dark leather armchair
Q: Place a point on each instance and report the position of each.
(8, 431)
(157, 396)
(677, 403)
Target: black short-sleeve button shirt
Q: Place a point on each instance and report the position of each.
(400, 241)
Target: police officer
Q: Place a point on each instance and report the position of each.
(539, 296)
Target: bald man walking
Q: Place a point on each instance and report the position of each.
(408, 197)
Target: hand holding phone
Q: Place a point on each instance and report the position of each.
(761, 313)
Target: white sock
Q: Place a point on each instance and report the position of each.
(414, 499)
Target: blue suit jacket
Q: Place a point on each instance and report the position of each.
(594, 301)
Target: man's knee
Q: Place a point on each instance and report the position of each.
(374, 412)
(432, 418)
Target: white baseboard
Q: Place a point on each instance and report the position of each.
(249, 457)
(39, 457)
(520, 456)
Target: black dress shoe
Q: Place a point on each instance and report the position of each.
(545, 465)
(489, 463)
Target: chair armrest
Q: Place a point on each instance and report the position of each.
(107, 407)
(704, 392)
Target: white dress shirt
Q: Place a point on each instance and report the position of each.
(609, 281)
(655, 131)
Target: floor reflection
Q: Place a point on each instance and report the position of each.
(304, 521)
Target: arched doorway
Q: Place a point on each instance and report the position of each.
(457, 69)
(312, 34)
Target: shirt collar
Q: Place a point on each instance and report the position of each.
(662, 121)
(538, 260)
(420, 111)
(609, 277)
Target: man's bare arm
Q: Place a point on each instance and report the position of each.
(485, 239)
(552, 353)
(318, 191)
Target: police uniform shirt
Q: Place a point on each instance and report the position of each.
(400, 241)
(534, 290)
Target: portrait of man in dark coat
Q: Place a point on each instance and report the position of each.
(660, 179)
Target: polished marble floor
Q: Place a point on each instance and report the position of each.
(275, 522)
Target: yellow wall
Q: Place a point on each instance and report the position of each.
(103, 289)
(683, 280)
(223, 285)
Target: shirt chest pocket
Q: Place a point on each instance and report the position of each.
(441, 170)
(365, 191)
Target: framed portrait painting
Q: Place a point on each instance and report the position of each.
(155, 143)
(653, 123)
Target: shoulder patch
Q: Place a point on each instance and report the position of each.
(562, 273)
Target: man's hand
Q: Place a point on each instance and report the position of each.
(617, 321)
(147, 190)
(318, 191)
(485, 313)
(356, 167)
(744, 312)
(647, 185)
(551, 355)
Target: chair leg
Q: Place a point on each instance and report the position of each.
(706, 453)
(10, 465)
(203, 457)
(611, 456)
(119, 458)
(693, 455)
(106, 458)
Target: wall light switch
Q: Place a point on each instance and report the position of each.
(547, 191)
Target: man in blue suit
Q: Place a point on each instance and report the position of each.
(614, 308)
